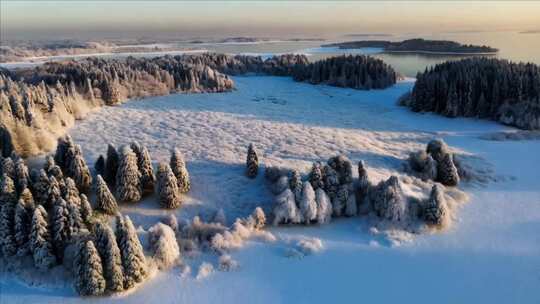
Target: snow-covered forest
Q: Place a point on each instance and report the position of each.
(494, 89)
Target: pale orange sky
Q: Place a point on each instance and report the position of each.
(270, 18)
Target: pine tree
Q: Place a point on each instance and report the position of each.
(343, 167)
(252, 162)
(104, 199)
(70, 192)
(111, 166)
(447, 172)
(76, 222)
(316, 177)
(324, 206)
(339, 203)
(41, 187)
(144, 163)
(53, 193)
(133, 260)
(435, 209)
(99, 166)
(331, 182)
(308, 205)
(128, 178)
(23, 222)
(8, 167)
(89, 280)
(169, 195)
(53, 169)
(40, 241)
(110, 257)
(389, 200)
(64, 144)
(8, 200)
(295, 184)
(23, 178)
(86, 209)
(80, 173)
(285, 210)
(61, 229)
(178, 166)
(362, 189)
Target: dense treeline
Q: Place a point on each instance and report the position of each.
(416, 45)
(359, 72)
(480, 87)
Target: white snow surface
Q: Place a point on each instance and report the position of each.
(490, 255)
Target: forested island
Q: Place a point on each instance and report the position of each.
(38, 104)
(487, 88)
(417, 46)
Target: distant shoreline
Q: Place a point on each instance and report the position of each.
(441, 52)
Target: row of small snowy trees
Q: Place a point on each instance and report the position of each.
(132, 176)
(330, 191)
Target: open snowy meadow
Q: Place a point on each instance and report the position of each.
(490, 253)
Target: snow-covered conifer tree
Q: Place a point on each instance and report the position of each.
(316, 176)
(164, 246)
(99, 166)
(388, 200)
(111, 166)
(351, 208)
(64, 143)
(41, 187)
(285, 210)
(52, 169)
(23, 178)
(169, 196)
(80, 173)
(308, 205)
(110, 257)
(435, 209)
(53, 193)
(75, 218)
(104, 198)
(178, 166)
(252, 162)
(437, 148)
(295, 183)
(86, 208)
(259, 218)
(70, 192)
(128, 178)
(8, 200)
(133, 260)
(40, 240)
(144, 163)
(339, 203)
(447, 172)
(343, 167)
(89, 280)
(362, 189)
(331, 182)
(324, 206)
(61, 230)
(23, 222)
(8, 167)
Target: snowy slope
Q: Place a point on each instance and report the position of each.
(491, 255)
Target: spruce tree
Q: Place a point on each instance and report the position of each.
(295, 184)
(362, 188)
(61, 229)
(86, 209)
(169, 195)
(144, 163)
(8, 200)
(99, 166)
(52, 169)
(447, 172)
(70, 192)
(23, 178)
(89, 280)
(110, 257)
(64, 143)
(23, 222)
(316, 176)
(308, 205)
(40, 240)
(128, 178)
(351, 208)
(104, 199)
(111, 166)
(178, 166)
(133, 260)
(8, 167)
(53, 193)
(343, 167)
(435, 209)
(252, 162)
(285, 210)
(76, 222)
(41, 187)
(80, 173)
(324, 206)
(331, 182)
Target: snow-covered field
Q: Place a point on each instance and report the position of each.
(491, 255)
